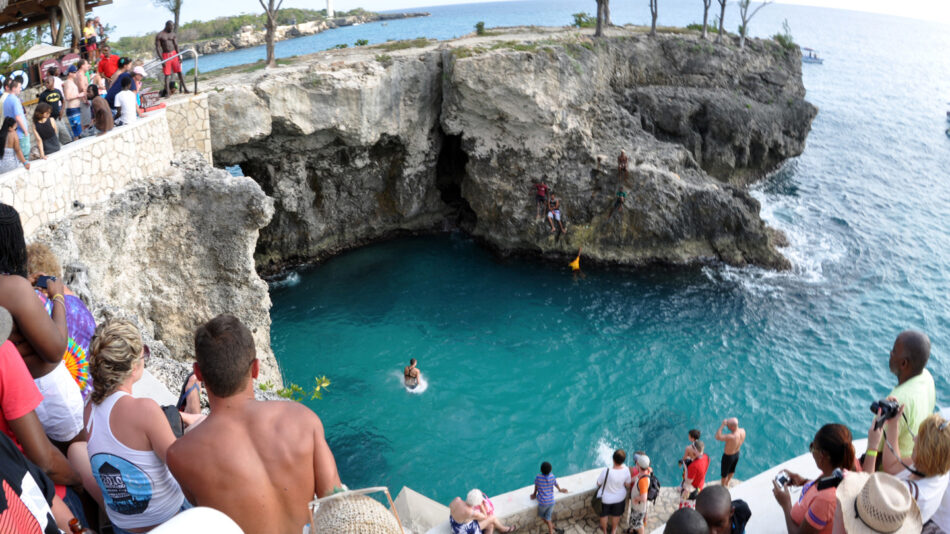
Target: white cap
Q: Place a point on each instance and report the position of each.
(643, 461)
(475, 497)
(140, 71)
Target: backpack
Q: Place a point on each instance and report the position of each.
(654, 490)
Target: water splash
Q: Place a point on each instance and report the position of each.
(418, 390)
(290, 280)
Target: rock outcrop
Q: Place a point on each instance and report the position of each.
(249, 36)
(156, 253)
(359, 144)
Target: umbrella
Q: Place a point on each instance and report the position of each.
(38, 51)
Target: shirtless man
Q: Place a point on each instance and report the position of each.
(166, 46)
(622, 165)
(734, 441)
(258, 462)
(411, 374)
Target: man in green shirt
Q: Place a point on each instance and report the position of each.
(915, 388)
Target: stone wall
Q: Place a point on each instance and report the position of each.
(189, 122)
(87, 171)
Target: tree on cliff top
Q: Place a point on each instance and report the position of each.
(603, 17)
(706, 4)
(653, 14)
(722, 18)
(746, 17)
(270, 9)
(172, 5)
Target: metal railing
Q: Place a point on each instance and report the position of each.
(152, 65)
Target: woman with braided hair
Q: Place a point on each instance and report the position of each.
(128, 436)
(40, 337)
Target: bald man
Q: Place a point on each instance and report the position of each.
(686, 521)
(733, 443)
(915, 389)
(722, 514)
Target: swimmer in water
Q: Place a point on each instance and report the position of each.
(411, 374)
(576, 266)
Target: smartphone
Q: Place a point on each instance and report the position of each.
(41, 281)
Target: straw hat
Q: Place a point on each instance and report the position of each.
(878, 503)
(354, 515)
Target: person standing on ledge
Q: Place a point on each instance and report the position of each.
(622, 162)
(411, 374)
(277, 455)
(915, 390)
(166, 46)
(734, 441)
(541, 196)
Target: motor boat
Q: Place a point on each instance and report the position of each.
(810, 55)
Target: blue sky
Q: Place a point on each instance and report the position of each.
(136, 17)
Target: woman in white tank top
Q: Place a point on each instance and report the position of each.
(128, 436)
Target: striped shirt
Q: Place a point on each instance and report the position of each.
(545, 485)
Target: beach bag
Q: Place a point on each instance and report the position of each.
(597, 502)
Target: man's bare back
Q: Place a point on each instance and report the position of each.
(732, 441)
(258, 462)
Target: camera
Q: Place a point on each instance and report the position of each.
(830, 481)
(782, 479)
(887, 408)
(42, 281)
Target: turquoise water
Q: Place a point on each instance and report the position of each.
(525, 364)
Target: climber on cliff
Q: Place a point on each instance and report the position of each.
(622, 166)
(618, 204)
(166, 46)
(541, 195)
(554, 213)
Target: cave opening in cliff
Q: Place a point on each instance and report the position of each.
(450, 173)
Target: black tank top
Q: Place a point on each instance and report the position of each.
(48, 135)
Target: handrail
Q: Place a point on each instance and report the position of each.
(156, 62)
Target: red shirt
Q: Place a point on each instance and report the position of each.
(696, 472)
(18, 394)
(108, 65)
(542, 189)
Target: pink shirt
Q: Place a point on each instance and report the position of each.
(816, 507)
(18, 393)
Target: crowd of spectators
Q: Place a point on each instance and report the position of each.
(88, 99)
(79, 446)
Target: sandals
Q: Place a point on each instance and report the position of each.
(185, 391)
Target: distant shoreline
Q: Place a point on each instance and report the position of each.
(249, 37)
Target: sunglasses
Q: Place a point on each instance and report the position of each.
(146, 353)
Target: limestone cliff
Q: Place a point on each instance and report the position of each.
(155, 252)
(358, 144)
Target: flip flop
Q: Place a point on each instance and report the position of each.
(185, 391)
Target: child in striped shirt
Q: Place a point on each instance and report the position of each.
(544, 485)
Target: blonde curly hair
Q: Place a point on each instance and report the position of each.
(115, 348)
(40, 259)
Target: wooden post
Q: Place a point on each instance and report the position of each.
(55, 28)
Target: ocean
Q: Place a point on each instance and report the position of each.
(525, 364)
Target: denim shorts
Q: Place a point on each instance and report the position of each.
(545, 511)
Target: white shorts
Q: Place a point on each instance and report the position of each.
(556, 215)
(60, 413)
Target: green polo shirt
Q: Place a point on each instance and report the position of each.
(919, 397)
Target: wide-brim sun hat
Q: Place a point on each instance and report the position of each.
(355, 514)
(878, 503)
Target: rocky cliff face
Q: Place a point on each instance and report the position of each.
(359, 144)
(154, 252)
